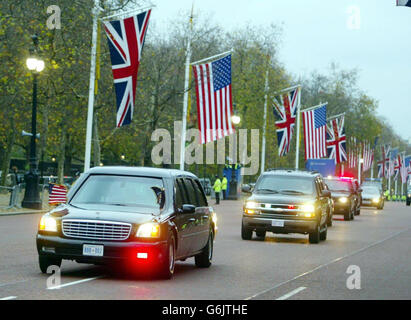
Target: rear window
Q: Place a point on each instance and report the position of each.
(122, 191)
(340, 185)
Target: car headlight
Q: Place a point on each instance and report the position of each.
(48, 223)
(376, 200)
(343, 199)
(307, 208)
(251, 205)
(149, 230)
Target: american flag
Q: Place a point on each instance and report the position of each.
(214, 100)
(336, 140)
(285, 111)
(352, 156)
(57, 193)
(126, 41)
(384, 162)
(368, 156)
(315, 126)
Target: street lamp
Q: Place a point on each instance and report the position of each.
(232, 193)
(32, 194)
(236, 119)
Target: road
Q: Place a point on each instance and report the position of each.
(280, 267)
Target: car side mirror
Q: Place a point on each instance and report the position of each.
(188, 208)
(326, 193)
(246, 188)
(160, 195)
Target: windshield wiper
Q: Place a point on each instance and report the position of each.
(292, 191)
(268, 190)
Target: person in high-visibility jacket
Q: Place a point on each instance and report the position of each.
(217, 189)
(224, 183)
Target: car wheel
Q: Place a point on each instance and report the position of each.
(167, 271)
(260, 234)
(246, 233)
(45, 262)
(358, 211)
(203, 260)
(347, 215)
(352, 215)
(314, 237)
(323, 234)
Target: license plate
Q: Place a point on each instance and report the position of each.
(93, 250)
(277, 223)
(366, 201)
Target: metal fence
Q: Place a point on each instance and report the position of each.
(12, 197)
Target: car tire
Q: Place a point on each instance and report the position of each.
(167, 269)
(347, 215)
(323, 234)
(203, 259)
(260, 234)
(358, 212)
(45, 262)
(314, 237)
(246, 233)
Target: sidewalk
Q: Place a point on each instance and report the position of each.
(17, 211)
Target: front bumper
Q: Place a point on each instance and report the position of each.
(114, 251)
(370, 203)
(291, 225)
(341, 208)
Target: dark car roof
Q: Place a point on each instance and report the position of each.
(292, 173)
(140, 171)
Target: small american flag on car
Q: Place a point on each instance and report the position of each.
(57, 194)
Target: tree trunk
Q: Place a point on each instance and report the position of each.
(7, 155)
(61, 156)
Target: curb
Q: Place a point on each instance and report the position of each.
(21, 213)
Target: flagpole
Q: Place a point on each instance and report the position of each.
(87, 154)
(297, 148)
(185, 101)
(265, 122)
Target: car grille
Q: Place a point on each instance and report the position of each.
(268, 208)
(96, 230)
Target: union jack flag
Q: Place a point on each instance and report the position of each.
(126, 41)
(285, 111)
(383, 164)
(336, 140)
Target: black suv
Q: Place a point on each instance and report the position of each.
(144, 217)
(287, 201)
(346, 194)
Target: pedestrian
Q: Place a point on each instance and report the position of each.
(224, 183)
(217, 189)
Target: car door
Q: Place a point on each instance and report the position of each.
(203, 216)
(323, 201)
(195, 218)
(183, 221)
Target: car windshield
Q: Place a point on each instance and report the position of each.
(285, 184)
(124, 191)
(370, 190)
(339, 185)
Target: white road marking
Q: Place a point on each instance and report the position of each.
(8, 298)
(290, 294)
(74, 283)
(11, 283)
(326, 264)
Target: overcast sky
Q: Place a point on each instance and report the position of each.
(371, 35)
